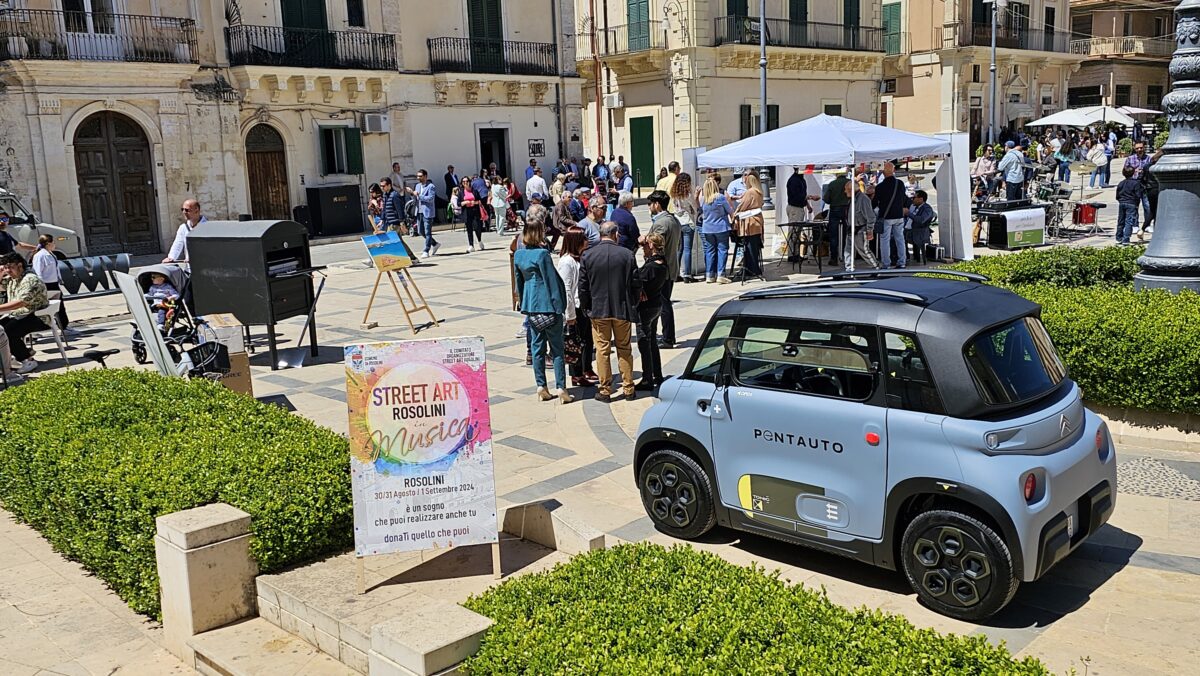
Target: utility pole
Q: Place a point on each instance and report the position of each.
(998, 6)
(763, 174)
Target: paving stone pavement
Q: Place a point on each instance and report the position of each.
(1126, 600)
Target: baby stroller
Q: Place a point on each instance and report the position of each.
(179, 327)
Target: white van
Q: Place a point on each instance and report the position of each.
(24, 226)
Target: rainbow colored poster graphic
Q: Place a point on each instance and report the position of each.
(420, 445)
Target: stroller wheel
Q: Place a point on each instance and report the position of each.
(139, 354)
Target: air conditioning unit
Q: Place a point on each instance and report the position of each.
(377, 123)
(614, 101)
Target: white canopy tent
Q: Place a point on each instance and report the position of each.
(1083, 117)
(825, 140)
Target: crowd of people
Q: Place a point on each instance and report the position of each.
(1055, 154)
(26, 283)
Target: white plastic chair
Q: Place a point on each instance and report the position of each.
(49, 314)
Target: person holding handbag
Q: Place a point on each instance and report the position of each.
(748, 223)
(543, 300)
(472, 211)
(579, 327)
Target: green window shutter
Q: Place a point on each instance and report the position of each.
(747, 129)
(483, 19)
(798, 11)
(354, 150)
(737, 8)
(851, 14)
(772, 116)
(891, 18)
(327, 152)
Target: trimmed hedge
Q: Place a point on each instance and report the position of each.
(91, 458)
(1063, 266)
(644, 609)
(1125, 348)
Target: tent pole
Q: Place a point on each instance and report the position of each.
(853, 234)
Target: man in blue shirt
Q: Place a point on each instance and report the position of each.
(628, 231)
(426, 196)
(600, 171)
(1140, 162)
(623, 179)
(1012, 168)
(737, 187)
(530, 169)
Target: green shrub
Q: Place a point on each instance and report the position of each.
(1126, 348)
(1125, 147)
(90, 458)
(1061, 266)
(643, 609)
(1160, 139)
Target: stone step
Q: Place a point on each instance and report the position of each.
(258, 648)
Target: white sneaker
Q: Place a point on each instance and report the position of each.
(481, 247)
(471, 249)
(434, 250)
(424, 254)
(11, 378)
(28, 366)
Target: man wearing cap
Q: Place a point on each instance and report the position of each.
(1012, 168)
(737, 187)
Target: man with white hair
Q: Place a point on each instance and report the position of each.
(535, 184)
(628, 231)
(597, 207)
(578, 204)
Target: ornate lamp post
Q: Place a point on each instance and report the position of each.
(1172, 260)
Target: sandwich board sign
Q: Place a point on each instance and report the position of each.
(420, 445)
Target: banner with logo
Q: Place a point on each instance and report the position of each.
(420, 445)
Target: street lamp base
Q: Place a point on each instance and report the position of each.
(1171, 283)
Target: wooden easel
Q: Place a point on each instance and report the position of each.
(406, 279)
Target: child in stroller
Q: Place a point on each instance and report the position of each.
(163, 297)
(165, 288)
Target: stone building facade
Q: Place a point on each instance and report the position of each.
(118, 110)
(937, 74)
(665, 75)
(1128, 46)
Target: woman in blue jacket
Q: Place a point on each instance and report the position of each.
(543, 300)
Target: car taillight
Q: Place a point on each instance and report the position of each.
(1030, 487)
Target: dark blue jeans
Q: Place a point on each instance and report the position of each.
(425, 227)
(1127, 219)
(548, 340)
(685, 250)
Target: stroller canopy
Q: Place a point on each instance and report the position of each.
(173, 273)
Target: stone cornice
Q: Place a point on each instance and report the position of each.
(800, 60)
(93, 74)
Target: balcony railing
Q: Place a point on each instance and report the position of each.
(309, 48)
(784, 33)
(615, 40)
(895, 43)
(95, 36)
(1036, 39)
(505, 57)
(1132, 45)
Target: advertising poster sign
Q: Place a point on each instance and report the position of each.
(420, 445)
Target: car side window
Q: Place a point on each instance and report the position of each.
(909, 385)
(800, 357)
(707, 361)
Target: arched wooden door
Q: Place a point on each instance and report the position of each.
(266, 166)
(116, 186)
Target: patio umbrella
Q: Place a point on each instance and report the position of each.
(1131, 110)
(1083, 117)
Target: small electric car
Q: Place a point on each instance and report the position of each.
(915, 423)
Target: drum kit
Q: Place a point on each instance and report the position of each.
(1056, 195)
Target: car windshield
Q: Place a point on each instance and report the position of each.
(12, 207)
(1014, 363)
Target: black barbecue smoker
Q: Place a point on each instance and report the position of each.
(259, 271)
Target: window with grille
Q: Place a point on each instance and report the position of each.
(1154, 95)
(1124, 95)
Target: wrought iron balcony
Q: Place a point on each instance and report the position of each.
(95, 36)
(310, 48)
(1009, 37)
(504, 57)
(744, 30)
(1125, 46)
(634, 37)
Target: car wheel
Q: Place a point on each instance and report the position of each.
(677, 494)
(958, 565)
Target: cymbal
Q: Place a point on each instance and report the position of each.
(1082, 166)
